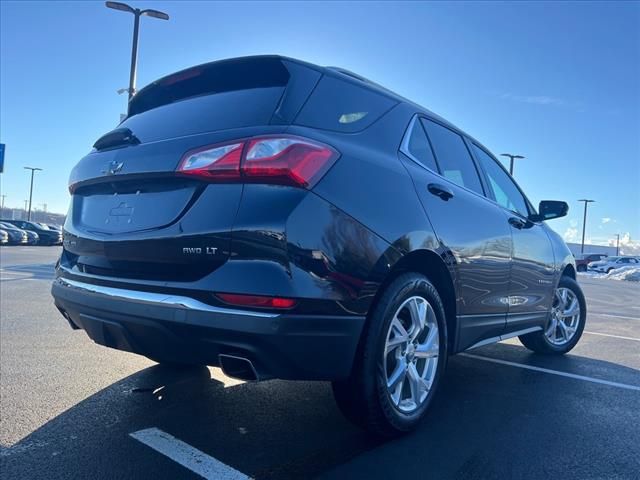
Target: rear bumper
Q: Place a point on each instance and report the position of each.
(49, 240)
(184, 330)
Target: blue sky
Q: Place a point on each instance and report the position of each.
(556, 82)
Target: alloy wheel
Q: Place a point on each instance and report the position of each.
(411, 354)
(565, 317)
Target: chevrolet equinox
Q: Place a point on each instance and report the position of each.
(283, 220)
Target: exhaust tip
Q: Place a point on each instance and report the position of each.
(237, 367)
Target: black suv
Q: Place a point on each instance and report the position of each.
(280, 219)
(45, 234)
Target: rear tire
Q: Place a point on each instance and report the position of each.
(552, 340)
(582, 268)
(401, 358)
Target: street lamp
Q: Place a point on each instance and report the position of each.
(33, 170)
(584, 220)
(511, 158)
(137, 13)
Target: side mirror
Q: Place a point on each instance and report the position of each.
(550, 209)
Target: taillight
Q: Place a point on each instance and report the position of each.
(283, 160)
(218, 163)
(256, 300)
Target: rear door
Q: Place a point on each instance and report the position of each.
(533, 273)
(472, 230)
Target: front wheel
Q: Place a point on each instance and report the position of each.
(400, 361)
(566, 321)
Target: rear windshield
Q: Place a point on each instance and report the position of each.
(221, 95)
(342, 106)
(236, 109)
(217, 77)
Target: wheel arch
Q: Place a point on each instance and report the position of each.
(432, 266)
(569, 271)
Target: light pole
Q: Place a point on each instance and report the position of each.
(137, 13)
(617, 244)
(3, 197)
(33, 170)
(584, 220)
(511, 158)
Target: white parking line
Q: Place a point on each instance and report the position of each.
(613, 316)
(613, 336)
(186, 455)
(553, 372)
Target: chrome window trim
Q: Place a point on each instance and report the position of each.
(404, 145)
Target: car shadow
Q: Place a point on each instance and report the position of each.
(36, 271)
(280, 429)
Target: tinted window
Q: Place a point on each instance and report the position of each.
(342, 106)
(241, 108)
(417, 146)
(504, 190)
(453, 157)
(217, 77)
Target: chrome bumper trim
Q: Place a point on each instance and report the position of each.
(158, 299)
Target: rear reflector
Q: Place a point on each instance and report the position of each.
(283, 160)
(256, 300)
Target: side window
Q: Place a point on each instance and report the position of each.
(504, 189)
(342, 106)
(416, 145)
(453, 157)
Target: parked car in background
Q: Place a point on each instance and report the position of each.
(4, 237)
(45, 234)
(32, 237)
(584, 259)
(611, 263)
(281, 219)
(54, 227)
(16, 235)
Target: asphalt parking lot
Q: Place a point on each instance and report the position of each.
(72, 409)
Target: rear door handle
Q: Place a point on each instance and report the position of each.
(517, 222)
(445, 193)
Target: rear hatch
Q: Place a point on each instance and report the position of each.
(131, 215)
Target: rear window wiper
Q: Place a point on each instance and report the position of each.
(119, 137)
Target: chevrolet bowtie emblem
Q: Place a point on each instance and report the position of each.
(113, 167)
